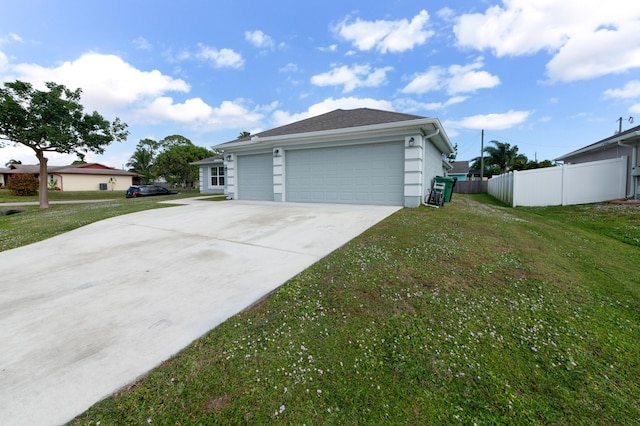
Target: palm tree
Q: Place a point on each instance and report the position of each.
(502, 156)
(244, 134)
(143, 158)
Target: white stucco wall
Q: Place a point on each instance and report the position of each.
(432, 165)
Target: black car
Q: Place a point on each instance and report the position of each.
(135, 191)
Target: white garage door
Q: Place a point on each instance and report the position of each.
(255, 177)
(359, 174)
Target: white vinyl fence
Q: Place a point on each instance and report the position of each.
(583, 183)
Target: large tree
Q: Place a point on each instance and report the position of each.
(143, 158)
(174, 140)
(174, 162)
(53, 121)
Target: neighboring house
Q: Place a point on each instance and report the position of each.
(623, 144)
(3, 177)
(78, 177)
(360, 156)
(212, 175)
(460, 170)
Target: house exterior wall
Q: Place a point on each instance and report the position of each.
(80, 182)
(433, 165)
(414, 168)
(230, 168)
(614, 151)
(419, 162)
(462, 177)
(204, 176)
(279, 175)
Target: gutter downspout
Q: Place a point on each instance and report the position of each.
(436, 133)
(634, 165)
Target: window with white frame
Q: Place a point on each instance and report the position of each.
(217, 176)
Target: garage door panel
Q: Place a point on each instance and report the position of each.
(363, 174)
(255, 177)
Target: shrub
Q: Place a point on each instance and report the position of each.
(23, 184)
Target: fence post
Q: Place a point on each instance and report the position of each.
(563, 186)
(514, 193)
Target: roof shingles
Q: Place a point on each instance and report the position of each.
(338, 119)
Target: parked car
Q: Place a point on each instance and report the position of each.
(135, 191)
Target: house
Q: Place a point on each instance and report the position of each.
(211, 175)
(622, 144)
(359, 156)
(77, 177)
(460, 170)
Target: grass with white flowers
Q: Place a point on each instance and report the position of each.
(475, 313)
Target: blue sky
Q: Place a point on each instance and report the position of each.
(548, 76)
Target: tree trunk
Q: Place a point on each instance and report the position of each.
(43, 193)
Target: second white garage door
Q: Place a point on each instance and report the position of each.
(358, 174)
(255, 177)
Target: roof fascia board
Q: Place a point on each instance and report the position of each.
(345, 133)
(600, 145)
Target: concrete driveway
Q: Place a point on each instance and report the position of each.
(86, 313)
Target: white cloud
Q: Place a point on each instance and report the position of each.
(413, 106)
(491, 121)
(4, 61)
(280, 118)
(587, 38)
(163, 108)
(235, 115)
(386, 36)
(26, 155)
(352, 77)
(454, 80)
(331, 48)
(431, 80)
(112, 86)
(223, 58)
(466, 79)
(290, 67)
(142, 43)
(259, 39)
(596, 54)
(11, 37)
(631, 90)
(635, 109)
(108, 83)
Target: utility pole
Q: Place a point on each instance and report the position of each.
(482, 157)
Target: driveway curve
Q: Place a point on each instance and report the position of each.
(85, 313)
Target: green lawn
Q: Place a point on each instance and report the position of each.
(474, 313)
(6, 197)
(35, 224)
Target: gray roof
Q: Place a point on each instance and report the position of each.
(460, 167)
(338, 119)
(631, 134)
(210, 160)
